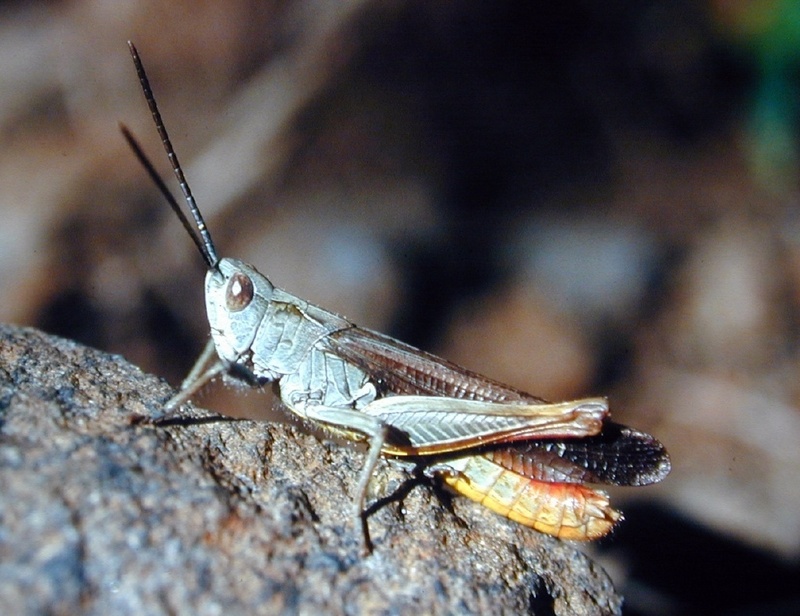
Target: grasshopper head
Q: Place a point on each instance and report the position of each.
(237, 297)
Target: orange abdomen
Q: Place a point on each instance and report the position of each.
(564, 510)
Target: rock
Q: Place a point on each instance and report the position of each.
(104, 513)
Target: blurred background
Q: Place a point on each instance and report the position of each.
(578, 198)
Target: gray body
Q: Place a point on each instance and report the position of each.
(280, 337)
(268, 335)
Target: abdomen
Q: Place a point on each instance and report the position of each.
(564, 510)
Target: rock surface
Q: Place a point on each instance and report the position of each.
(103, 514)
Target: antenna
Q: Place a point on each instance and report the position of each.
(203, 241)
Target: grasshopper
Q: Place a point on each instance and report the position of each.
(518, 455)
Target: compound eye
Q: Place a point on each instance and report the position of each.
(239, 293)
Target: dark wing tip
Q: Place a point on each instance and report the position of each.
(641, 458)
(619, 455)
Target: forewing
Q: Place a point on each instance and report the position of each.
(399, 368)
(618, 455)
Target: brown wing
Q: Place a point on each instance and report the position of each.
(398, 368)
(618, 455)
